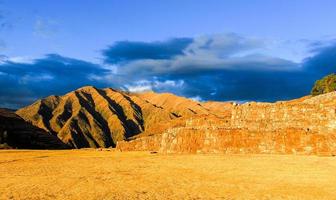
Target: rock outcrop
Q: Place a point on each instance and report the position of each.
(16, 133)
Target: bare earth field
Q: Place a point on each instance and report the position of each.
(92, 174)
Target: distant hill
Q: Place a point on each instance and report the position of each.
(17, 133)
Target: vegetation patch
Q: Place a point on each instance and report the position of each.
(325, 85)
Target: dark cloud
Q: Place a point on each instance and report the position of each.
(206, 53)
(229, 67)
(125, 51)
(263, 85)
(24, 82)
(323, 62)
(225, 67)
(247, 85)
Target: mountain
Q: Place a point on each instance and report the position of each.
(17, 133)
(91, 117)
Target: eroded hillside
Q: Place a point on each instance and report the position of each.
(91, 117)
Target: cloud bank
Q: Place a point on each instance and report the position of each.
(214, 67)
(22, 83)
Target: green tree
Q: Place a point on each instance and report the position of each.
(324, 85)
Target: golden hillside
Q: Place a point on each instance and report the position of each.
(91, 117)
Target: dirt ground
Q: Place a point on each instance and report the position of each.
(92, 174)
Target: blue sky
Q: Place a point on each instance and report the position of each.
(211, 50)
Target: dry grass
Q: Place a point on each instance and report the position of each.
(91, 174)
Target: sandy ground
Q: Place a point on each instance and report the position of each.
(91, 174)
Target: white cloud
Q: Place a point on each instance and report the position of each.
(146, 85)
(168, 83)
(112, 68)
(196, 98)
(139, 88)
(17, 59)
(22, 59)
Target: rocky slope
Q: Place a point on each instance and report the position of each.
(91, 117)
(16, 133)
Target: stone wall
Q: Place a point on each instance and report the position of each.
(303, 126)
(283, 141)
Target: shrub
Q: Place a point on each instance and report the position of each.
(324, 85)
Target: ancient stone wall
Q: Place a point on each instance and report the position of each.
(282, 141)
(303, 126)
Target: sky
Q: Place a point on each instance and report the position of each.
(232, 50)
